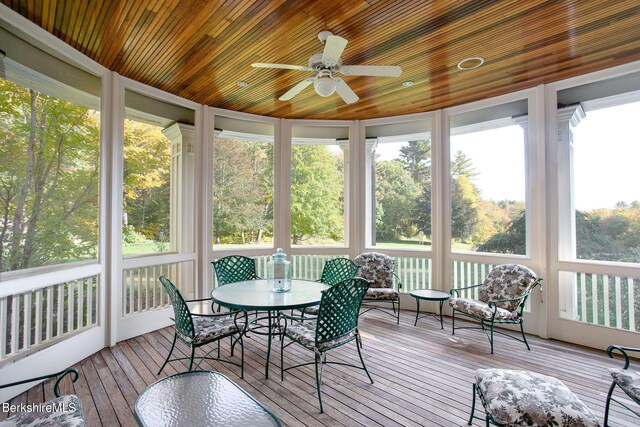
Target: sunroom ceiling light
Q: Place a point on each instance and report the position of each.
(470, 63)
(242, 83)
(325, 86)
(407, 83)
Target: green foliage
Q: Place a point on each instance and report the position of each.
(464, 215)
(317, 194)
(49, 159)
(243, 197)
(396, 200)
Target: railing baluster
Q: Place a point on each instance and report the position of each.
(26, 320)
(60, 323)
(4, 315)
(15, 323)
(89, 314)
(70, 306)
(583, 297)
(632, 308)
(618, 289)
(594, 298)
(605, 282)
(38, 318)
(49, 324)
(80, 299)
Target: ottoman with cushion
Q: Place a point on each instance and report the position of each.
(515, 398)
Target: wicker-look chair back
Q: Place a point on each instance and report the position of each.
(184, 322)
(339, 307)
(337, 270)
(235, 268)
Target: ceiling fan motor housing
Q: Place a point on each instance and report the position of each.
(317, 64)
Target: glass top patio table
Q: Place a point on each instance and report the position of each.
(200, 398)
(256, 295)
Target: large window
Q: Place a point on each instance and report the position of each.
(398, 179)
(153, 186)
(242, 183)
(318, 165)
(49, 167)
(488, 210)
(605, 183)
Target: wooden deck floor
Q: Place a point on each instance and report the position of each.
(422, 376)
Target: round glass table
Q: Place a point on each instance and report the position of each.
(429, 295)
(256, 295)
(200, 398)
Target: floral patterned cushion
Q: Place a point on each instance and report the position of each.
(479, 309)
(381, 293)
(507, 281)
(376, 267)
(305, 334)
(628, 381)
(517, 398)
(64, 411)
(209, 328)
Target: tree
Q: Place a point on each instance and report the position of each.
(464, 214)
(317, 193)
(48, 179)
(396, 197)
(416, 159)
(461, 165)
(512, 241)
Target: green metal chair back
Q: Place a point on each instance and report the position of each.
(235, 268)
(184, 323)
(338, 270)
(339, 307)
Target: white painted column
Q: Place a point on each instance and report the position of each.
(568, 117)
(183, 203)
(370, 145)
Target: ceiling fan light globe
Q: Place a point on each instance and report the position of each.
(325, 86)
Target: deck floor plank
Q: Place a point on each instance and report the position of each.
(422, 375)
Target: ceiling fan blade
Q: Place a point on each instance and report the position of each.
(283, 66)
(333, 48)
(296, 89)
(372, 70)
(345, 92)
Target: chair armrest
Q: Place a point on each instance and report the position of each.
(296, 318)
(198, 300)
(398, 282)
(622, 350)
(457, 290)
(56, 390)
(226, 313)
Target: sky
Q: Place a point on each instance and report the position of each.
(606, 158)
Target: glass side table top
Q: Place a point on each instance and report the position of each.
(200, 398)
(429, 294)
(255, 295)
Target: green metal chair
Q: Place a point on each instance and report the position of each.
(234, 268)
(195, 330)
(385, 284)
(626, 379)
(334, 271)
(335, 326)
(501, 300)
(72, 415)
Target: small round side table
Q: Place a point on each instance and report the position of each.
(429, 295)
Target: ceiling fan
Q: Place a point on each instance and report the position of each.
(326, 66)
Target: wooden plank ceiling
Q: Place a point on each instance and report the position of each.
(200, 49)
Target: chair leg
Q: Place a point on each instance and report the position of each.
(193, 352)
(282, 359)
(491, 338)
(173, 344)
(398, 320)
(473, 405)
(362, 361)
(318, 382)
(606, 407)
(241, 356)
(453, 322)
(524, 337)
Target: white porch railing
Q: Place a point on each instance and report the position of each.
(142, 291)
(414, 273)
(35, 318)
(602, 299)
(467, 273)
